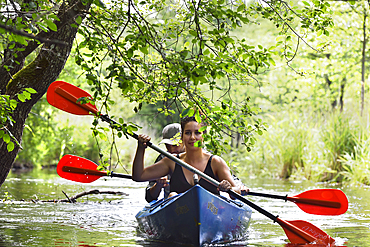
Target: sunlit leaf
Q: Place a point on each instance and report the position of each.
(10, 146)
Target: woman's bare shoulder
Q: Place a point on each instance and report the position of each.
(217, 160)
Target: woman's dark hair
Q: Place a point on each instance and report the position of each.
(188, 119)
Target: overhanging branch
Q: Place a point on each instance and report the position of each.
(25, 34)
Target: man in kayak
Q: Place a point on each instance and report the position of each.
(181, 178)
(171, 135)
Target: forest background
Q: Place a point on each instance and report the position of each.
(312, 102)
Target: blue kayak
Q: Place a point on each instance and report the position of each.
(195, 217)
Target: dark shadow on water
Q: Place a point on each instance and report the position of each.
(157, 243)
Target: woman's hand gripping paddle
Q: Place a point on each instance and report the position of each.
(298, 232)
(82, 170)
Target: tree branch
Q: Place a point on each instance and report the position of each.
(85, 193)
(25, 34)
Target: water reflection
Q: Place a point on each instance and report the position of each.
(63, 243)
(109, 220)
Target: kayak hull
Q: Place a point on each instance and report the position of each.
(196, 217)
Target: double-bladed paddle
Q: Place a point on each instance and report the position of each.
(316, 201)
(65, 97)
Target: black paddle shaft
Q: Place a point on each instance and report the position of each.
(119, 175)
(267, 195)
(252, 205)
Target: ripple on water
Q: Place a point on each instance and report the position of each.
(107, 220)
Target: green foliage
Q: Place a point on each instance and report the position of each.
(171, 57)
(26, 27)
(162, 51)
(164, 115)
(7, 107)
(323, 78)
(45, 140)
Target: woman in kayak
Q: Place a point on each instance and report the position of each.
(181, 178)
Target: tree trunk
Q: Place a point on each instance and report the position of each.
(341, 96)
(39, 74)
(363, 64)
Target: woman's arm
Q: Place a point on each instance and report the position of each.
(222, 171)
(153, 172)
(138, 164)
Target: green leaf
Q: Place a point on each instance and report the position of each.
(272, 61)
(191, 112)
(20, 39)
(144, 50)
(99, 3)
(130, 53)
(6, 138)
(132, 128)
(13, 104)
(27, 95)
(198, 144)
(252, 141)
(241, 7)
(42, 26)
(203, 128)
(193, 33)
(21, 97)
(103, 136)
(10, 146)
(78, 20)
(55, 17)
(197, 117)
(184, 112)
(30, 90)
(51, 25)
(229, 40)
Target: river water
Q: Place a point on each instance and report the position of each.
(109, 220)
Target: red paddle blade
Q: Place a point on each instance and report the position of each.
(303, 232)
(78, 169)
(64, 96)
(322, 201)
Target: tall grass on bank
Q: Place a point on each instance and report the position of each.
(356, 167)
(338, 134)
(330, 147)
